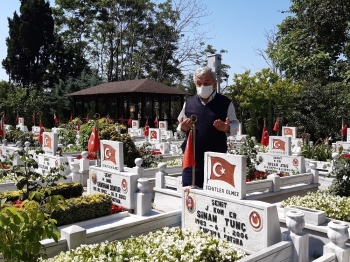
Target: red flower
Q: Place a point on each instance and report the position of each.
(17, 203)
(345, 156)
(116, 209)
(79, 157)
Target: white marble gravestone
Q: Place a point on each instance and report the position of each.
(280, 163)
(225, 174)
(289, 131)
(163, 125)
(280, 145)
(112, 156)
(154, 135)
(135, 124)
(21, 125)
(50, 142)
(251, 224)
(110, 179)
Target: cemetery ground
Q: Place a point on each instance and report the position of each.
(255, 198)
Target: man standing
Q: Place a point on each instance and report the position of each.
(216, 119)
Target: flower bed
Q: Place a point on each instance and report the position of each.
(336, 207)
(167, 244)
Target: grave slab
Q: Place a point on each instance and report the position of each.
(253, 225)
(280, 163)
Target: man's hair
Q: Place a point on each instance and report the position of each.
(202, 70)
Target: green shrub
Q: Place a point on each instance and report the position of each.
(83, 208)
(67, 190)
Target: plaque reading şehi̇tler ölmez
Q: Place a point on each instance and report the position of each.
(251, 224)
(225, 174)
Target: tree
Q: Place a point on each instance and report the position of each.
(30, 37)
(258, 97)
(313, 44)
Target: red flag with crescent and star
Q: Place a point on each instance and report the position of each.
(278, 144)
(94, 141)
(288, 131)
(130, 121)
(55, 118)
(222, 170)
(276, 126)
(155, 122)
(146, 132)
(188, 159)
(42, 129)
(47, 141)
(109, 154)
(265, 137)
(344, 129)
(2, 129)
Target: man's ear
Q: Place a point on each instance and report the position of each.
(214, 85)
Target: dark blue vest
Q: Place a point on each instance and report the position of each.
(208, 138)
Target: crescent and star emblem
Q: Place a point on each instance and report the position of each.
(222, 170)
(46, 141)
(107, 153)
(255, 220)
(276, 144)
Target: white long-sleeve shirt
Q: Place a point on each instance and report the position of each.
(231, 114)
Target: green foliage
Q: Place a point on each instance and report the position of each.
(312, 43)
(68, 134)
(341, 171)
(22, 227)
(82, 208)
(259, 97)
(149, 159)
(25, 176)
(66, 190)
(129, 148)
(320, 151)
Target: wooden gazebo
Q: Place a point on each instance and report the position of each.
(141, 99)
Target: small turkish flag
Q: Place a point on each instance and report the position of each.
(42, 129)
(107, 120)
(94, 141)
(343, 130)
(146, 129)
(276, 126)
(130, 121)
(156, 121)
(87, 119)
(2, 129)
(109, 154)
(17, 117)
(71, 118)
(265, 137)
(55, 118)
(222, 170)
(78, 126)
(278, 144)
(188, 159)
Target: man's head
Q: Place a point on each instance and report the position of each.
(205, 81)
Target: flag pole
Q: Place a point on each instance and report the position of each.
(194, 120)
(97, 117)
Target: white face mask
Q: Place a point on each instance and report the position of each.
(205, 91)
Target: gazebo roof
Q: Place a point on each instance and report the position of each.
(130, 86)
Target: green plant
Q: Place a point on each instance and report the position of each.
(25, 176)
(23, 226)
(320, 151)
(67, 135)
(341, 171)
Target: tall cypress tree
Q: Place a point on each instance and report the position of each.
(28, 46)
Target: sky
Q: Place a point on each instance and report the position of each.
(237, 26)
